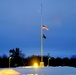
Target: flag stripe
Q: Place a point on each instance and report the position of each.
(44, 27)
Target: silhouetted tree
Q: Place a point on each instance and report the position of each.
(17, 57)
(3, 61)
(58, 61)
(52, 61)
(45, 59)
(73, 61)
(66, 61)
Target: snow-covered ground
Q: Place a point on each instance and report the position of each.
(45, 70)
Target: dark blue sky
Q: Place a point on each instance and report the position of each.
(20, 26)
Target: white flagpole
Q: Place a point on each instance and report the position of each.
(41, 37)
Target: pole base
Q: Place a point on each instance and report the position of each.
(41, 64)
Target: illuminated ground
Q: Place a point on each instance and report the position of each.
(8, 72)
(39, 71)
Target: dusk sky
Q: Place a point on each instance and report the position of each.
(20, 25)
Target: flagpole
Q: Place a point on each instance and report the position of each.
(41, 37)
(42, 27)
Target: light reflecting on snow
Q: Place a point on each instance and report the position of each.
(31, 74)
(43, 71)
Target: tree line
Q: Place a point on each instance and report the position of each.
(17, 58)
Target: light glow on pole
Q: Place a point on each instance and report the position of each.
(48, 61)
(9, 61)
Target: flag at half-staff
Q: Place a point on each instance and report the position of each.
(44, 27)
(44, 36)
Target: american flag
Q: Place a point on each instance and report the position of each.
(44, 27)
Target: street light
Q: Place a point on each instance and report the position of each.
(36, 65)
(48, 61)
(9, 61)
